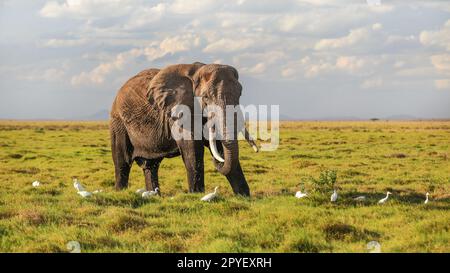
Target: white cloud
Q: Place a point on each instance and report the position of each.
(391, 39)
(260, 40)
(143, 16)
(350, 63)
(87, 8)
(49, 72)
(319, 68)
(441, 63)
(439, 38)
(228, 45)
(314, 66)
(355, 36)
(98, 74)
(442, 84)
(178, 43)
(382, 8)
(288, 72)
(259, 68)
(169, 45)
(56, 43)
(329, 18)
(289, 22)
(372, 83)
(193, 6)
(399, 64)
(50, 75)
(377, 26)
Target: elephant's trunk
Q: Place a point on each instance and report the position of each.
(231, 157)
(229, 147)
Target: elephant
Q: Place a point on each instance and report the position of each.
(140, 122)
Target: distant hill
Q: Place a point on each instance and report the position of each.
(100, 115)
(402, 117)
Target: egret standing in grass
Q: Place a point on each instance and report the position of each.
(382, 201)
(360, 198)
(77, 185)
(334, 196)
(140, 191)
(36, 184)
(300, 194)
(426, 200)
(84, 194)
(80, 189)
(210, 196)
(147, 194)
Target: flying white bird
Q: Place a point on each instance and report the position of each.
(84, 194)
(334, 196)
(360, 198)
(426, 200)
(210, 196)
(77, 185)
(300, 194)
(140, 191)
(147, 194)
(382, 201)
(36, 183)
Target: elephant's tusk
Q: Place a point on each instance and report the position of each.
(250, 140)
(212, 145)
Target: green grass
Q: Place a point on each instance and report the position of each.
(407, 158)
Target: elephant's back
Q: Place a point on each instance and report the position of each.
(138, 84)
(132, 96)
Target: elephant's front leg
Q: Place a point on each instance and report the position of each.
(192, 152)
(238, 182)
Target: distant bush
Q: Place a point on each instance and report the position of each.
(325, 182)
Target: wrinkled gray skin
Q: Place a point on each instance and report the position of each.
(140, 123)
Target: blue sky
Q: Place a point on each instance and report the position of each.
(315, 58)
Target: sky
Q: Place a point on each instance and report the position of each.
(316, 59)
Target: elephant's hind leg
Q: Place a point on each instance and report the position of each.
(122, 154)
(150, 168)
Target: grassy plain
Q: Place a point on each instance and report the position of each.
(407, 158)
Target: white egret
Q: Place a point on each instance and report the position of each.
(140, 191)
(210, 196)
(36, 183)
(360, 198)
(84, 194)
(334, 196)
(77, 185)
(382, 201)
(147, 194)
(426, 200)
(300, 194)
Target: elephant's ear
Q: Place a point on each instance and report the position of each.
(172, 85)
